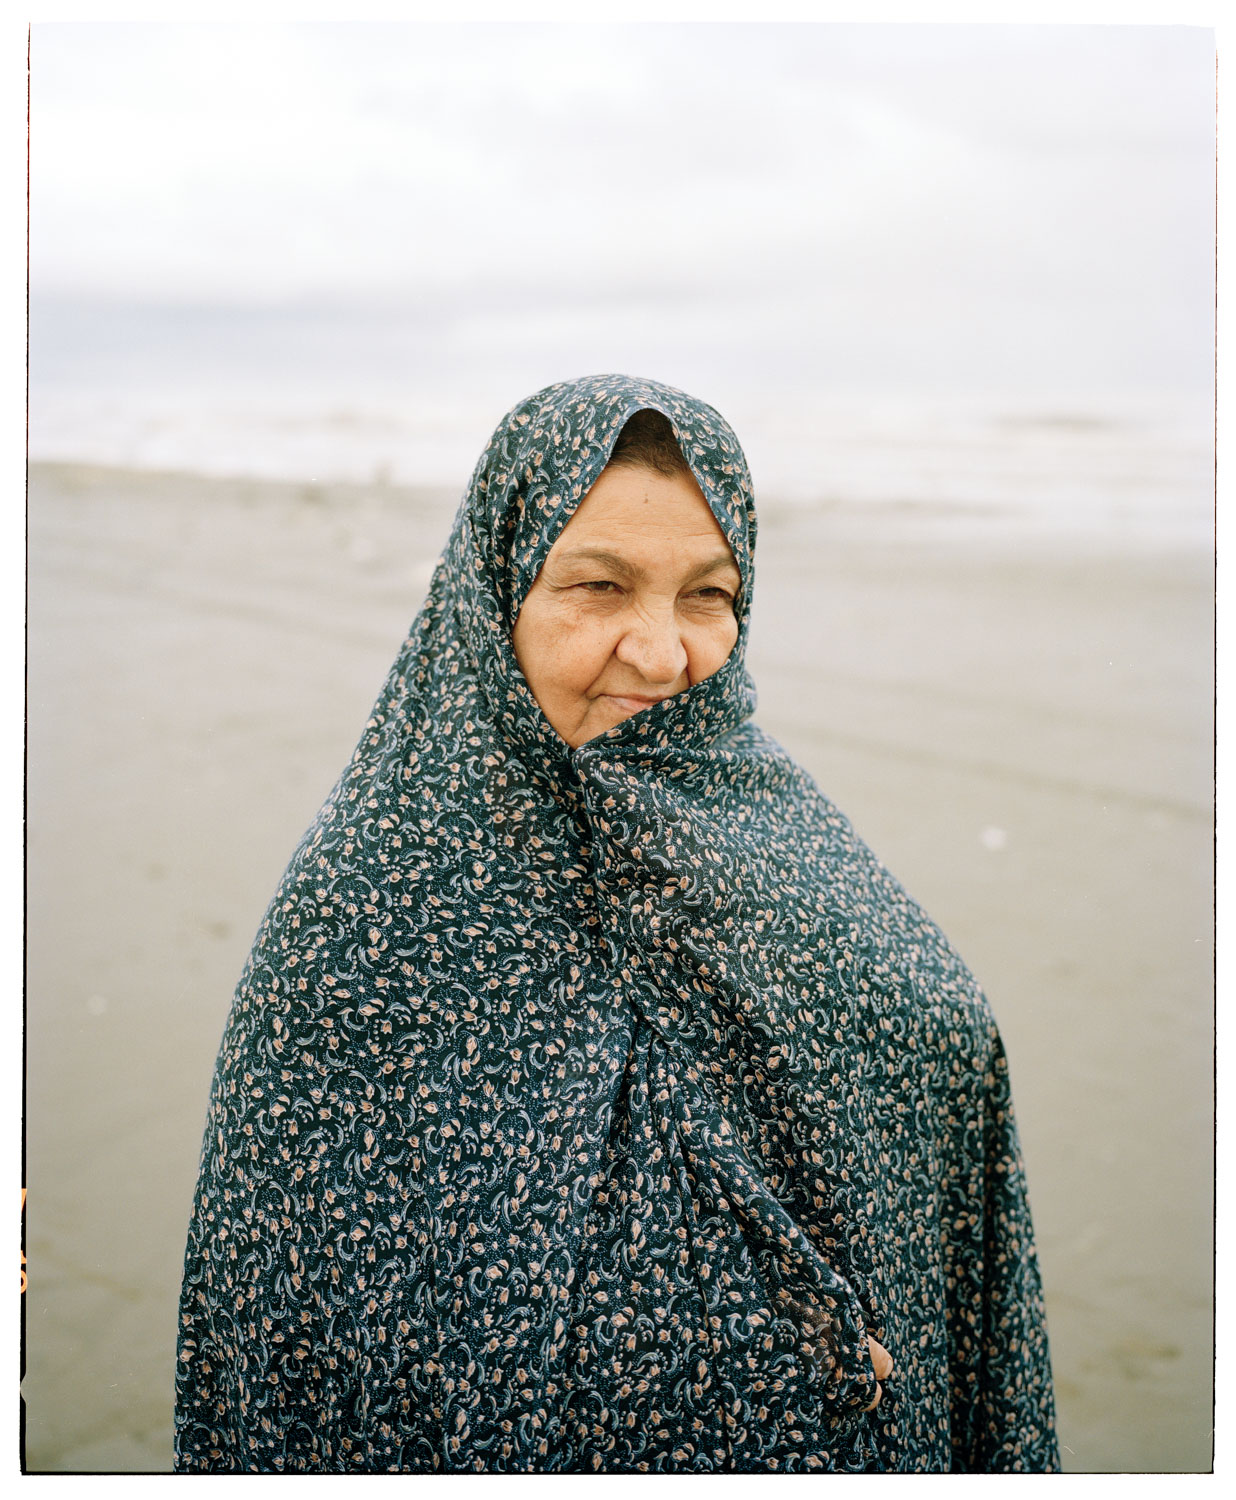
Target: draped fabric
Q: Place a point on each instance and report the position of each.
(586, 1109)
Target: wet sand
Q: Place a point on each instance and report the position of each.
(1021, 727)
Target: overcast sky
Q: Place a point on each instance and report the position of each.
(971, 206)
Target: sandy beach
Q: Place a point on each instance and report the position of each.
(1020, 724)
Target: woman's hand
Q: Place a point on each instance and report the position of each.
(882, 1364)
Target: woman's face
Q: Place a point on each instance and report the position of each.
(634, 603)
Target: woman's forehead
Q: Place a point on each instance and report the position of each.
(633, 516)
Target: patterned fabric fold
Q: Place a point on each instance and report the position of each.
(586, 1110)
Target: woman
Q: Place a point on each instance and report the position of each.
(592, 1099)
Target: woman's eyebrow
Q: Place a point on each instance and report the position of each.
(596, 555)
(621, 565)
(721, 560)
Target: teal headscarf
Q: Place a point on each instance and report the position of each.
(586, 1109)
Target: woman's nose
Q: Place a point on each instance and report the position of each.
(652, 645)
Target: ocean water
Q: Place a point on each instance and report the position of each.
(328, 399)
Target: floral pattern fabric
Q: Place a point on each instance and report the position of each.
(585, 1109)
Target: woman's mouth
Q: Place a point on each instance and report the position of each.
(631, 703)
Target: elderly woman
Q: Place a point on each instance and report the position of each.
(592, 1099)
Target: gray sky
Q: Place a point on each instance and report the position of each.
(1013, 208)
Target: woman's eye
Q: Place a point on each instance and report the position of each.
(713, 595)
(599, 586)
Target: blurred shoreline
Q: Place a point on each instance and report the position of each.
(1017, 717)
(1134, 466)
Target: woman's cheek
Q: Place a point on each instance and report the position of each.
(712, 645)
(585, 646)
